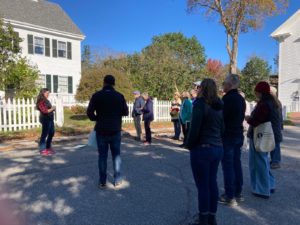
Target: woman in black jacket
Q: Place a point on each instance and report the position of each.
(206, 149)
(148, 117)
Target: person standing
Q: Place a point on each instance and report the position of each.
(261, 178)
(276, 154)
(107, 107)
(47, 121)
(174, 112)
(205, 144)
(148, 117)
(137, 112)
(185, 115)
(233, 139)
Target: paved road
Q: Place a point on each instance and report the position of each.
(158, 187)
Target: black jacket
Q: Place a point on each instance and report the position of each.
(207, 124)
(234, 114)
(107, 107)
(148, 110)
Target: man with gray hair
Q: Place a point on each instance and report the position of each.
(233, 138)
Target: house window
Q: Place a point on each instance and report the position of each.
(41, 81)
(62, 49)
(62, 84)
(39, 45)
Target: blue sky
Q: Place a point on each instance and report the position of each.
(128, 26)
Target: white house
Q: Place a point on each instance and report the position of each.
(288, 36)
(51, 40)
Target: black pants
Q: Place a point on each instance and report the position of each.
(148, 131)
(185, 130)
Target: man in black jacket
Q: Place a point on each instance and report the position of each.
(107, 107)
(137, 112)
(233, 137)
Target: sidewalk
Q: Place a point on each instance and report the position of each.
(158, 187)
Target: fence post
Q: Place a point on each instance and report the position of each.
(155, 109)
(59, 112)
(284, 113)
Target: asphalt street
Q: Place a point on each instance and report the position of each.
(158, 187)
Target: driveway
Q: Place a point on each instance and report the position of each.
(158, 188)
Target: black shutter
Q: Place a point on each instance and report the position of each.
(16, 43)
(54, 48)
(30, 44)
(48, 82)
(69, 50)
(47, 47)
(55, 83)
(70, 85)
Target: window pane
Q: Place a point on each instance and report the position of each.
(62, 84)
(62, 47)
(41, 81)
(39, 45)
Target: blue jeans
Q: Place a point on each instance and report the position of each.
(232, 166)
(177, 128)
(261, 178)
(204, 163)
(47, 132)
(104, 143)
(276, 154)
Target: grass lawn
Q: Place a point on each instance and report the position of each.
(73, 125)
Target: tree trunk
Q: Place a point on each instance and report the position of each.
(233, 55)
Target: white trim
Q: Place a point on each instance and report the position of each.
(283, 28)
(32, 27)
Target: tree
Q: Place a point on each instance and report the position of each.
(22, 78)
(9, 48)
(238, 16)
(214, 69)
(17, 76)
(256, 70)
(86, 58)
(170, 63)
(92, 81)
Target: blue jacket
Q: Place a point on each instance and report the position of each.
(186, 111)
(148, 110)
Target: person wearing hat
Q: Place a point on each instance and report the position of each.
(107, 107)
(137, 112)
(267, 109)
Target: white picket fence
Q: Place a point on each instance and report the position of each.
(21, 114)
(161, 111)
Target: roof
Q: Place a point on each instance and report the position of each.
(39, 12)
(284, 30)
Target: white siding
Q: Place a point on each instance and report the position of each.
(289, 65)
(54, 66)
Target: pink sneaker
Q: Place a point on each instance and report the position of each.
(45, 152)
(50, 150)
(146, 143)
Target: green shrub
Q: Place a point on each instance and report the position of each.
(78, 109)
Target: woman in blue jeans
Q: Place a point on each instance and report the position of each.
(205, 144)
(47, 121)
